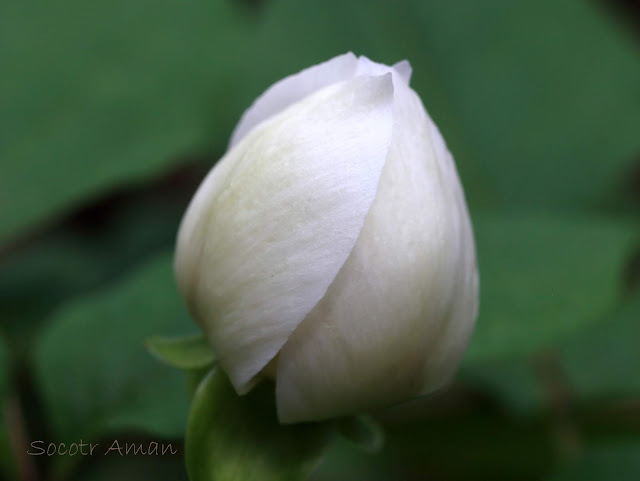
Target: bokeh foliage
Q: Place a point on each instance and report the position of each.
(111, 113)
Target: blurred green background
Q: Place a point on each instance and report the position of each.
(112, 112)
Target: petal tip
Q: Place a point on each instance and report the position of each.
(404, 70)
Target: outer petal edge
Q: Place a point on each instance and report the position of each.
(268, 238)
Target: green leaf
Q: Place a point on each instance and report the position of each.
(619, 461)
(530, 121)
(470, 444)
(94, 95)
(342, 462)
(512, 381)
(231, 438)
(73, 259)
(598, 363)
(91, 366)
(604, 362)
(543, 278)
(184, 352)
(363, 431)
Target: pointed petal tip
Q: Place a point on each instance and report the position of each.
(378, 89)
(404, 69)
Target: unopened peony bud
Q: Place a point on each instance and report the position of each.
(331, 248)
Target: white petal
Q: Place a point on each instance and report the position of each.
(404, 70)
(273, 223)
(395, 321)
(401, 71)
(292, 89)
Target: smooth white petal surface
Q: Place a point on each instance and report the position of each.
(295, 88)
(275, 220)
(395, 321)
(292, 89)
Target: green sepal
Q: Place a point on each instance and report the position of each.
(239, 438)
(363, 431)
(194, 378)
(184, 352)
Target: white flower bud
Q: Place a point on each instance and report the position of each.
(332, 243)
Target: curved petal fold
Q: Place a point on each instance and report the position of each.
(292, 89)
(296, 87)
(276, 219)
(395, 321)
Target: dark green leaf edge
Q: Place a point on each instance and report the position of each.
(184, 352)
